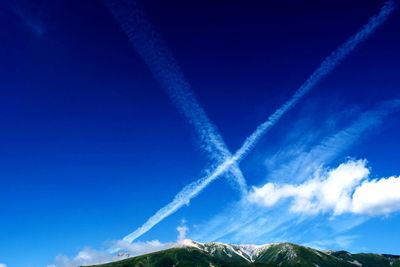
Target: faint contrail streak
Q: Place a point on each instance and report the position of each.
(162, 64)
(330, 62)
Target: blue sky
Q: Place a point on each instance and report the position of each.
(92, 145)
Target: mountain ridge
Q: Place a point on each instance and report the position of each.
(217, 254)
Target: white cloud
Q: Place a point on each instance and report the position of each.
(3, 265)
(90, 256)
(182, 230)
(86, 256)
(338, 191)
(379, 196)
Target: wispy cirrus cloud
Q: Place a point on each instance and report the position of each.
(341, 241)
(305, 159)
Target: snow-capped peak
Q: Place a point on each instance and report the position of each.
(248, 251)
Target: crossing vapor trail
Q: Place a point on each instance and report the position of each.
(326, 67)
(149, 45)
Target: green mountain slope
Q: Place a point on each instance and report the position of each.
(176, 257)
(287, 254)
(270, 255)
(369, 259)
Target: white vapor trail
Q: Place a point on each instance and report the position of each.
(150, 47)
(327, 66)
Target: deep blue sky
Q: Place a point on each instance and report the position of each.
(91, 146)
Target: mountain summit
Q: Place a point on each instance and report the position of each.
(215, 254)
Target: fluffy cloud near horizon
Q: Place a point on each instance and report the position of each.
(86, 256)
(90, 256)
(345, 189)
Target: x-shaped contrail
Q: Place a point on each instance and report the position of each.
(140, 32)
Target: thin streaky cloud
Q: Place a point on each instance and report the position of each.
(150, 46)
(306, 162)
(326, 67)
